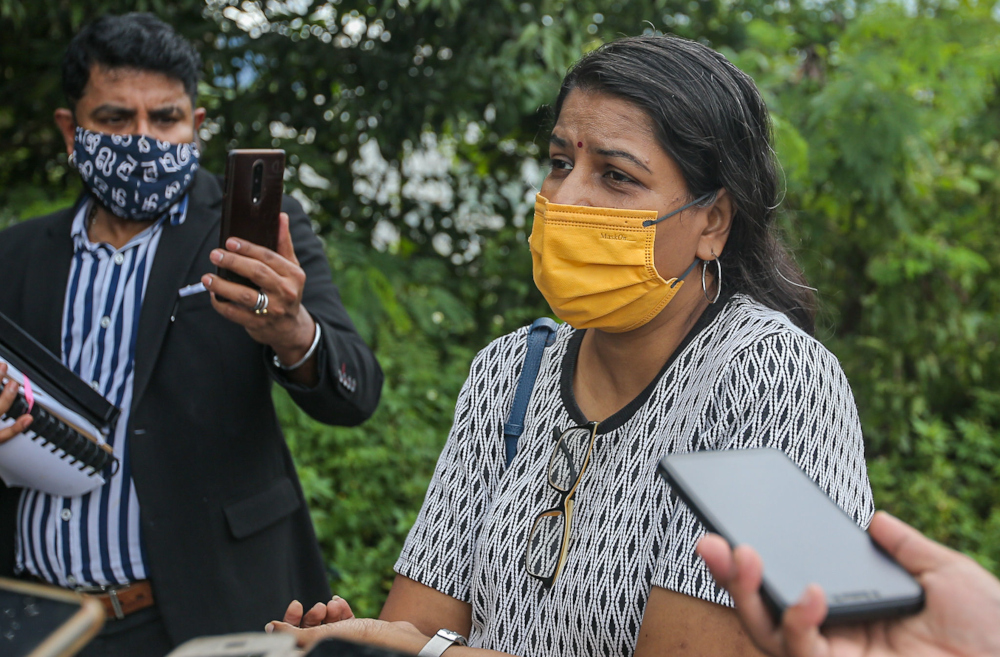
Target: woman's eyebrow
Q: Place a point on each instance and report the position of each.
(605, 152)
(625, 155)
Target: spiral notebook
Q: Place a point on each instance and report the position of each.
(64, 451)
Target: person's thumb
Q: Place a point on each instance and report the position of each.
(914, 551)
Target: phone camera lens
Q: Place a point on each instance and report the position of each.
(258, 176)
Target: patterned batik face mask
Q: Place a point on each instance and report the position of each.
(134, 176)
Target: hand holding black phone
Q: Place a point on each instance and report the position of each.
(761, 498)
(252, 201)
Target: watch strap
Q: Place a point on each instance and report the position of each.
(440, 642)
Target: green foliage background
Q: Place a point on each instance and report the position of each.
(887, 127)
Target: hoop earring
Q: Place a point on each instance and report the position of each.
(718, 282)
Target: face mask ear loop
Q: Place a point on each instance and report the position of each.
(700, 199)
(686, 271)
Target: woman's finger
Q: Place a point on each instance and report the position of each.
(304, 637)
(293, 615)
(315, 616)
(338, 609)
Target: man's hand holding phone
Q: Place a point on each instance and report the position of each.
(286, 326)
(961, 615)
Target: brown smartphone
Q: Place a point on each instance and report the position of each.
(252, 201)
(45, 621)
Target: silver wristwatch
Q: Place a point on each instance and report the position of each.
(440, 642)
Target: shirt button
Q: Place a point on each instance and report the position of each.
(66, 515)
(105, 322)
(96, 385)
(71, 580)
(119, 258)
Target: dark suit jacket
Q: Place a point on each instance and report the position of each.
(228, 537)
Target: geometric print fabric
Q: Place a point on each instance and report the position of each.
(746, 377)
(134, 176)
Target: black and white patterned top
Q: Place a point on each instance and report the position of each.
(744, 377)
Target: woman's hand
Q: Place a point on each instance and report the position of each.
(961, 615)
(399, 635)
(7, 397)
(336, 620)
(332, 612)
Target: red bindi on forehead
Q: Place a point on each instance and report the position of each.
(579, 144)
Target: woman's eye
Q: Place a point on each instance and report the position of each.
(561, 165)
(618, 176)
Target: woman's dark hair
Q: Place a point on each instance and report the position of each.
(709, 117)
(137, 41)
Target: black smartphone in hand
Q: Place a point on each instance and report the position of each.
(761, 498)
(252, 202)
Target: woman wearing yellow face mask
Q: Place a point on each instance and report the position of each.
(687, 327)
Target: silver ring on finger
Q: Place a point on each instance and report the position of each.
(261, 307)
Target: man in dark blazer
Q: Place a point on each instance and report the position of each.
(205, 529)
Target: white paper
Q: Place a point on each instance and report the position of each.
(30, 463)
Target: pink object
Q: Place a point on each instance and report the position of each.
(29, 396)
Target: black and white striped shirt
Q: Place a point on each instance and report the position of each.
(94, 539)
(745, 377)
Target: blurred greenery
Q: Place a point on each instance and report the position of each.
(416, 133)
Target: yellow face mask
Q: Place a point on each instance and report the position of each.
(595, 265)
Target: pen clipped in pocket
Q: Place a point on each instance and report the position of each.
(189, 299)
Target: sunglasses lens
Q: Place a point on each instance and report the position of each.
(568, 458)
(545, 544)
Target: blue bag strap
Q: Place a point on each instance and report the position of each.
(541, 335)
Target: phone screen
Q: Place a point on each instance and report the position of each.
(761, 498)
(26, 621)
(44, 621)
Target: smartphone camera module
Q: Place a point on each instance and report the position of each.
(258, 179)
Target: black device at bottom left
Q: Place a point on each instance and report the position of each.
(45, 621)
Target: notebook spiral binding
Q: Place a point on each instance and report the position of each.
(52, 431)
